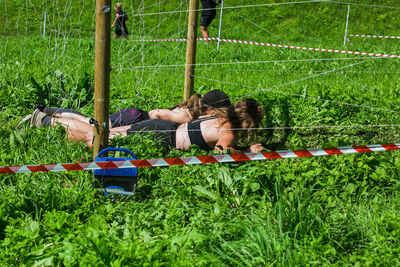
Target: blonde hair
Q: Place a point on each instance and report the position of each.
(194, 106)
(198, 105)
(118, 6)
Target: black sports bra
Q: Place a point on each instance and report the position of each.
(195, 135)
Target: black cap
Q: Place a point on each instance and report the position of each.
(216, 99)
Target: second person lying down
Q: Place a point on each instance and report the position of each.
(183, 112)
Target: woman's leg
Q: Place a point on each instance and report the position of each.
(64, 113)
(51, 111)
(77, 131)
(73, 116)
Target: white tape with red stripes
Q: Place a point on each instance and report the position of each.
(225, 158)
(374, 36)
(275, 45)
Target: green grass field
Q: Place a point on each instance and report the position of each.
(338, 210)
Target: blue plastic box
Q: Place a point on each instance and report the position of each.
(116, 172)
(116, 179)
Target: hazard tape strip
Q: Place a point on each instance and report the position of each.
(225, 158)
(374, 36)
(275, 45)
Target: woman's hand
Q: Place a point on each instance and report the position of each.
(253, 149)
(256, 148)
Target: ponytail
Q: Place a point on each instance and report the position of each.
(194, 105)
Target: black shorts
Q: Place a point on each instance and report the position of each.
(164, 131)
(205, 20)
(128, 116)
(208, 13)
(121, 31)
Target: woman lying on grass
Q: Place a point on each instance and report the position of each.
(183, 112)
(214, 130)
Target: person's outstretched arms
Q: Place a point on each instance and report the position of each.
(253, 149)
(227, 140)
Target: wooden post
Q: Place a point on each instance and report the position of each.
(102, 75)
(191, 49)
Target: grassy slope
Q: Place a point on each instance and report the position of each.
(333, 210)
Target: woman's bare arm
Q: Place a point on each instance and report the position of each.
(177, 116)
(115, 20)
(227, 140)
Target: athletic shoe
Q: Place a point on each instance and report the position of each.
(27, 117)
(39, 107)
(36, 119)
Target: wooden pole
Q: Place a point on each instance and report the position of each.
(102, 75)
(191, 49)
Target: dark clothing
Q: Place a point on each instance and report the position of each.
(128, 116)
(216, 99)
(120, 24)
(46, 121)
(51, 111)
(208, 13)
(122, 117)
(164, 131)
(195, 135)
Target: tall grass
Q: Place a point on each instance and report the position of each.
(338, 210)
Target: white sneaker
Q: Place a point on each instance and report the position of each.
(27, 117)
(36, 119)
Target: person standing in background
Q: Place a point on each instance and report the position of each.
(120, 22)
(207, 15)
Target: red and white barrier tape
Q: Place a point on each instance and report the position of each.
(226, 158)
(374, 36)
(276, 45)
